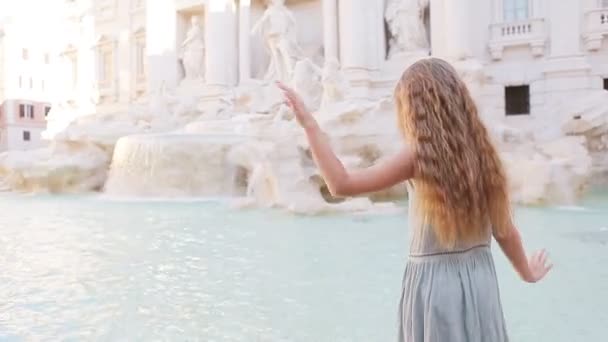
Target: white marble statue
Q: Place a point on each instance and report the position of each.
(278, 29)
(334, 83)
(405, 22)
(306, 81)
(193, 51)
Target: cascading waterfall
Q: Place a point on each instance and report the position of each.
(171, 165)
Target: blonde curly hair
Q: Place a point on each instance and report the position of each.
(460, 180)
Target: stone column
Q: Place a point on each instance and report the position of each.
(161, 44)
(244, 40)
(220, 43)
(122, 55)
(438, 28)
(353, 41)
(457, 29)
(360, 25)
(330, 28)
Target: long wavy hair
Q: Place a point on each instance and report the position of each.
(460, 180)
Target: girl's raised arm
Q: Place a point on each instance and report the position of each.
(341, 182)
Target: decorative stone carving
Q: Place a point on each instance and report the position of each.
(334, 83)
(307, 81)
(139, 63)
(405, 22)
(105, 51)
(278, 29)
(193, 51)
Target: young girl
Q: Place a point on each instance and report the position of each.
(458, 199)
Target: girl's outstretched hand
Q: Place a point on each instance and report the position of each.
(538, 266)
(294, 101)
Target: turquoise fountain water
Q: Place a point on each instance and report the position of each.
(85, 268)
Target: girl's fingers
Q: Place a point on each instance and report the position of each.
(539, 256)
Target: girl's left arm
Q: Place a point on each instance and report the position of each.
(343, 183)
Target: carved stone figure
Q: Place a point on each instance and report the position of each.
(278, 29)
(193, 51)
(334, 83)
(406, 24)
(307, 81)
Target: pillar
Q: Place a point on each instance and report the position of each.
(438, 39)
(457, 29)
(221, 43)
(244, 40)
(330, 28)
(358, 26)
(123, 55)
(377, 31)
(161, 44)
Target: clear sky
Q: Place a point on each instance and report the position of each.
(36, 19)
(33, 9)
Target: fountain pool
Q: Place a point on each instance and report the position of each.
(88, 268)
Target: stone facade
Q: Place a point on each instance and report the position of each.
(514, 40)
(180, 93)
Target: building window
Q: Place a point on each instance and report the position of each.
(20, 82)
(47, 109)
(29, 110)
(31, 83)
(24, 54)
(26, 110)
(605, 83)
(47, 59)
(26, 136)
(42, 84)
(604, 3)
(517, 100)
(514, 10)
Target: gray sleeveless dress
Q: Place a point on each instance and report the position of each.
(449, 295)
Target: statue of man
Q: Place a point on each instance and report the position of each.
(405, 21)
(193, 51)
(278, 28)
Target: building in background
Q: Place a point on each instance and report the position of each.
(535, 54)
(101, 51)
(26, 82)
